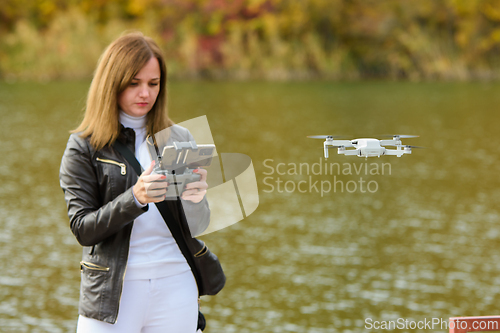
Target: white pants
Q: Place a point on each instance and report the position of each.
(165, 305)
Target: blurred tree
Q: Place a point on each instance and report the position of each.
(272, 39)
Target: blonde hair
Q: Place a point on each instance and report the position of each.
(116, 68)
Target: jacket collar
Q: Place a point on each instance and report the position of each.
(126, 136)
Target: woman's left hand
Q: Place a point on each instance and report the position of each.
(195, 191)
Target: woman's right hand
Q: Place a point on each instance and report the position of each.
(150, 188)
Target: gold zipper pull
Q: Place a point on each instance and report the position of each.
(93, 266)
(123, 166)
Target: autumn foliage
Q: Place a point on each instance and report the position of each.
(260, 39)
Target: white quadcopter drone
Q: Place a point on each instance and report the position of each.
(367, 147)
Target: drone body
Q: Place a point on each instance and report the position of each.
(366, 147)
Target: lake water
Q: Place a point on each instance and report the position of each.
(418, 242)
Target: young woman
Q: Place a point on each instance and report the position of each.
(134, 277)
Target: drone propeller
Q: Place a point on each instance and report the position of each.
(411, 147)
(325, 136)
(399, 136)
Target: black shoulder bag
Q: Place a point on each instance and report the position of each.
(205, 265)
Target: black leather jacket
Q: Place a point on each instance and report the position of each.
(97, 187)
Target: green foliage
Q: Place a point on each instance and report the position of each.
(270, 39)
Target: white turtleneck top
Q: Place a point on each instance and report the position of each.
(153, 251)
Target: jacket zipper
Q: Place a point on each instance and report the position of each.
(121, 291)
(121, 165)
(203, 250)
(92, 266)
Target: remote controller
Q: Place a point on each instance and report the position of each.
(177, 183)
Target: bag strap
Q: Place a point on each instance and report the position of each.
(164, 211)
(129, 156)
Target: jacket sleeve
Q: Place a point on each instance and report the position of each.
(197, 215)
(89, 221)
